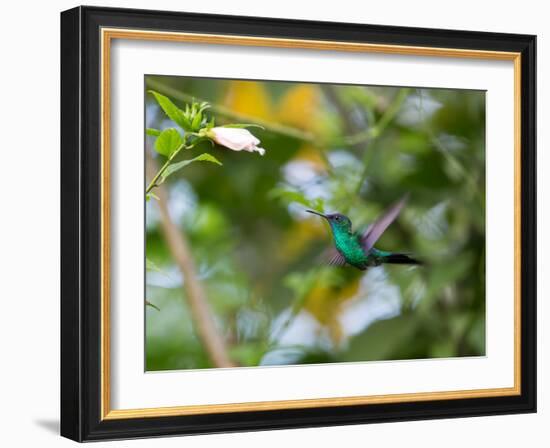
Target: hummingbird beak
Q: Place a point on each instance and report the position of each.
(317, 213)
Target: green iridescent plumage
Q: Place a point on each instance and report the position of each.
(357, 249)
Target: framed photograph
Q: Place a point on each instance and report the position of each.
(275, 224)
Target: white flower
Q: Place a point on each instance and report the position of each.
(237, 139)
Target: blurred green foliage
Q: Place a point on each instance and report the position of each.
(351, 149)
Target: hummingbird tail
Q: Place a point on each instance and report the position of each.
(401, 259)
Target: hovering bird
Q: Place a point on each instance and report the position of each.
(357, 249)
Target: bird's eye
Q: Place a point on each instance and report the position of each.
(337, 218)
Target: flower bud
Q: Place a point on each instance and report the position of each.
(237, 139)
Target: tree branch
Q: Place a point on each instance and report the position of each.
(201, 312)
(226, 112)
(364, 140)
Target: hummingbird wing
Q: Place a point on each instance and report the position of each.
(333, 257)
(377, 228)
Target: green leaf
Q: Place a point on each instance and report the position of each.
(178, 166)
(203, 106)
(150, 266)
(242, 125)
(289, 195)
(174, 112)
(152, 132)
(197, 120)
(168, 141)
(247, 354)
(397, 333)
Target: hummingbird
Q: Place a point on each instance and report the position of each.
(357, 248)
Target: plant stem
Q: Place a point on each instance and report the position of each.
(153, 182)
(203, 318)
(242, 118)
(377, 130)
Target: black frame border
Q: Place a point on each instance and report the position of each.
(81, 223)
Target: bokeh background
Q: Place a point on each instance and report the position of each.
(351, 149)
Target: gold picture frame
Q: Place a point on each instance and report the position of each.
(106, 31)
